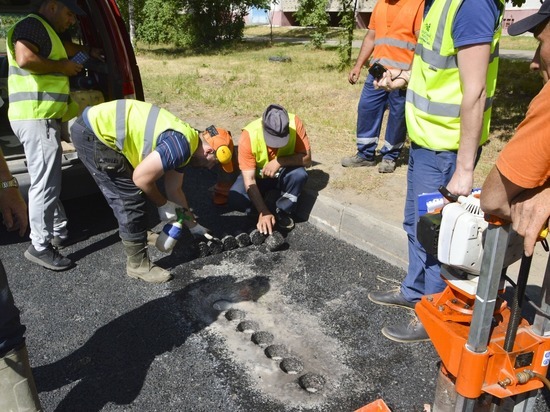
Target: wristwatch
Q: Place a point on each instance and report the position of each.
(9, 183)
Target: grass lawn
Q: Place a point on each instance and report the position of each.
(232, 87)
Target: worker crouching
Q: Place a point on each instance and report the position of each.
(128, 145)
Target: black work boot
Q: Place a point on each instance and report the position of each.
(392, 297)
(407, 333)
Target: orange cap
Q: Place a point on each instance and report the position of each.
(220, 140)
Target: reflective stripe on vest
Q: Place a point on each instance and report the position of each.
(37, 96)
(132, 127)
(259, 147)
(394, 45)
(434, 94)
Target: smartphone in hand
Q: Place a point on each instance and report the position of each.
(80, 57)
(377, 71)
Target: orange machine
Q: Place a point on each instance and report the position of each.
(484, 344)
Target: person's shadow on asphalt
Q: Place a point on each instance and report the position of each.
(112, 365)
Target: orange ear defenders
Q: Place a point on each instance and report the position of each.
(223, 152)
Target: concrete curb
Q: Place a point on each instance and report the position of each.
(355, 225)
(366, 231)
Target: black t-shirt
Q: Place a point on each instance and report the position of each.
(33, 31)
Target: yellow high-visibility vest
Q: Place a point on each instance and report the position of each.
(259, 147)
(132, 127)
(38, 96)
(434, 94)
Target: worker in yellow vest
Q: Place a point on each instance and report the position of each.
(38, 88)
(273, 153)
(448, 110)
(128, 145)
(390, 42)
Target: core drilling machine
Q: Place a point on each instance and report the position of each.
(492, 359)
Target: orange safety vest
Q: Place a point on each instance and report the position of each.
(394, 44)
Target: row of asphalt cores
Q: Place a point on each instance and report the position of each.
(289, 364)
(274, 242)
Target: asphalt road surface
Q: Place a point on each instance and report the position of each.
(101, 341)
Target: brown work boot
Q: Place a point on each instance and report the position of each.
(17, 383)
(221, 193)
(357, 161)
(386, 166)
(139, 266)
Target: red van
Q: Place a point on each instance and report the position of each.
(116, 78)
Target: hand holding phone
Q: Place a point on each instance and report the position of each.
(80, 57)
(377, 71)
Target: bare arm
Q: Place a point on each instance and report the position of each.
(527, 209)
(473, 62)
(366, 50)
(297, 159)
(497, 194)
(27, 57)
(266, 220)
(146, 175)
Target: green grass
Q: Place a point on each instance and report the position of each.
(233, 86)
(527, 42)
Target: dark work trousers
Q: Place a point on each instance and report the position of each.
(289, 184)
(124, 197)
(11, 330)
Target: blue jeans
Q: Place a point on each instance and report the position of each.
(290, 183)
(370, 113)
(427, 171)
(11, 330)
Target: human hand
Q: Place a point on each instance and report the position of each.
(14, 210)
(271, 168)
(529, 212)
(265, 224)
(461, 183)
(70, 68)
(354, 75)
(167, 211)
(97, 53)
(392, 79)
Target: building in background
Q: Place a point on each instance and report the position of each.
(282, 13)
(513, 14)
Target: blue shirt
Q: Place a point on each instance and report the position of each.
(174, 150)
(475, 21)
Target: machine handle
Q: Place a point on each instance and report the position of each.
(447, 195)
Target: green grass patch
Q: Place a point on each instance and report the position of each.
(233, 86)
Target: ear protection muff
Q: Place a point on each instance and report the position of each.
(223, 153)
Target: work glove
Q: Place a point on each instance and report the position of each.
(167, 212)
(200, 231)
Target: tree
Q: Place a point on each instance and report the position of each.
(161, 22)
(347, 21)
(314, 13)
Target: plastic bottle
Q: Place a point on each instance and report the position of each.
(170, 234)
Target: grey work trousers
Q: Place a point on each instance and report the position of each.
(41, 140)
